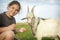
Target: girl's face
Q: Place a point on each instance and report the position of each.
(13, 9)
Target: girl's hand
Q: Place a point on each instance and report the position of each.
(22, 29)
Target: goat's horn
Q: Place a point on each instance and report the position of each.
(33, 9)
(27, 9)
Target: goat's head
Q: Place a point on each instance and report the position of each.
(30, 15)
(30, 19)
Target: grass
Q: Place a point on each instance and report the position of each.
(28, 34)
(25, 35)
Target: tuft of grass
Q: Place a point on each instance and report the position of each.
(47, 38)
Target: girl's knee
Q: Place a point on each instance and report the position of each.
(9, 33)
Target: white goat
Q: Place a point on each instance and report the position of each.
(43, 27)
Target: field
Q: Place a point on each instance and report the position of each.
(25, 35)
(28, 34)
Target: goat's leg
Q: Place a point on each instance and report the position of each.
(57, 38)
(39, 38)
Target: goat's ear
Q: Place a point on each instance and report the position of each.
(33, 9)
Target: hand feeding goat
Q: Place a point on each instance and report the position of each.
(43, 27)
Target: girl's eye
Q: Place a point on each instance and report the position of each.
(15, 9)
(12, 7)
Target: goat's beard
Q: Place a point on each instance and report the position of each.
(30, 25)
(32, 29)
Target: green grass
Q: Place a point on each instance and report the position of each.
(25, 35)
(28, 34)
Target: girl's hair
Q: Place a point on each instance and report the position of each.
(15, 2)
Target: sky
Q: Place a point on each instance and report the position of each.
(43, 8)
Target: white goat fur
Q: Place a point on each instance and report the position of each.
(46, 28)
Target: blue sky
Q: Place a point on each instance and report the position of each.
(43, 8)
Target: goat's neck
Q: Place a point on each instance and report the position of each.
(34, 24)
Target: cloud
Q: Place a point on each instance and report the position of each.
(43, 8)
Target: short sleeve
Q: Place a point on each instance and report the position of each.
(14, 22)
(0, 19)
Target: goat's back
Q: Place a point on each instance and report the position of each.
(49, 27)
